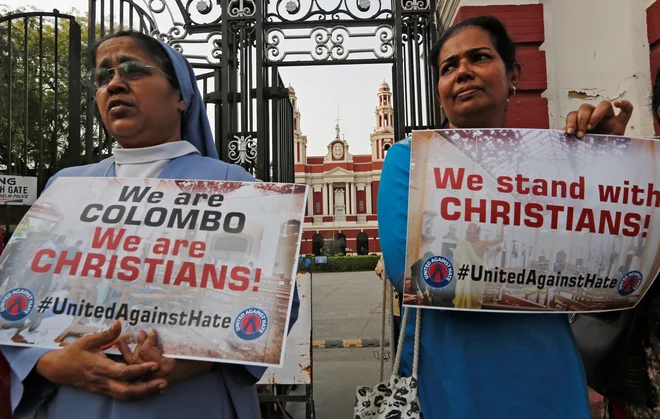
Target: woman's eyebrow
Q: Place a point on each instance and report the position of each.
(122, 58)
(470, 51)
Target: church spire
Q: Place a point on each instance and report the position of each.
(337, 131)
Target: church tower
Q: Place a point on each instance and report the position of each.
(383, 136)
(299, 140)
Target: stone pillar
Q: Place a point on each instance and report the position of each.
(310, 201)
(353, 198)
(325, 199)
(368, 198)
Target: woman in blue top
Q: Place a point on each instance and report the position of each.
(485, 365)
(148, 99)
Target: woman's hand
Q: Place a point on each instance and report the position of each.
(170, 369)
(599, 119)
(83, 364)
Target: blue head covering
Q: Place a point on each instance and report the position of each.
(195, 127)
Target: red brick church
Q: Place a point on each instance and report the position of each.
(343, 192)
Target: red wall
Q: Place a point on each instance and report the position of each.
(318, 197)
(527, 109)
(653, 28)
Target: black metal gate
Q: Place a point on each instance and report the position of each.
(40, 110)
(239, 45)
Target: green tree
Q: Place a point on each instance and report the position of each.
(45, 99)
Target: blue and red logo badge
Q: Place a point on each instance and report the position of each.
(16, 304)
(437, 272)
(630, 282)
(251, 324)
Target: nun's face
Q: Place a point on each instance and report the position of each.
(140, 112)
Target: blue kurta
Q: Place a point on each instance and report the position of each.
(229, 392)
(480, 365)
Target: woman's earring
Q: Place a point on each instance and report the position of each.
(514, 90)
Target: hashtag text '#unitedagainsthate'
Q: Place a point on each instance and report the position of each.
(134, 316)
(530, 277)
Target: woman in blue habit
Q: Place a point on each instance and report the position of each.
(485, 365)
(148, 99)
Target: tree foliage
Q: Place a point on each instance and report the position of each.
(40, 147)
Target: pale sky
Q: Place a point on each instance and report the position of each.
(321, 91)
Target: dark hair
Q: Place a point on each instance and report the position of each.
(150, 45)
(655, 100)
(498, 35)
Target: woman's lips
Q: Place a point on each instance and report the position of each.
(119, 111)
(467, 94)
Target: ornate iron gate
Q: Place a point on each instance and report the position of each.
(243, 43)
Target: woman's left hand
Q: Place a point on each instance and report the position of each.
(171, 369)
(600, 119)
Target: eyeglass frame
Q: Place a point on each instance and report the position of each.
(92, 85)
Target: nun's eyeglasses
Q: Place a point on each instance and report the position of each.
(98, 78)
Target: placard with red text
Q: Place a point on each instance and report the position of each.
(531, 220)
(209, 265)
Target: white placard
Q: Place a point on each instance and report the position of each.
(297, 356)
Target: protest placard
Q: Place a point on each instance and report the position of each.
(531, 220)
(209, 265)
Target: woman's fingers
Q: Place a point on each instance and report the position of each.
(129, 392)
(571, 123)
(626, 112)
(603, 110)
(124, 372)
(583, 116)
(129, 356)
(100, 340)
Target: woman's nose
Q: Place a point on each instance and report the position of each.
(117, 82)
(464, 71)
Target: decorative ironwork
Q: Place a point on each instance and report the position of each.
(313, 11)
(243, 149)
(242, 8)
(237, 46)
(415, 5)
(329, 44)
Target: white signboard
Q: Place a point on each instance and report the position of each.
(297, 366)
(18, 190)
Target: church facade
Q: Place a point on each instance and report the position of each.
(342, 203)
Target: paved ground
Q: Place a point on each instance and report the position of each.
(348, 306)
(344, 306)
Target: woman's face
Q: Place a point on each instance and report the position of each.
(473, 83)
(142, 112)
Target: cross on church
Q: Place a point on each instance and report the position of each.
(337, 119)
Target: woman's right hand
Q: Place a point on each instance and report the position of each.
(83, 364)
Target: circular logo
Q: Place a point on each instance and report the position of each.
(251, 324)
(16, 304)
(630, 282)
(437, 272)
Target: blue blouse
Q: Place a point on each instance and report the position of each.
(479, 365)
